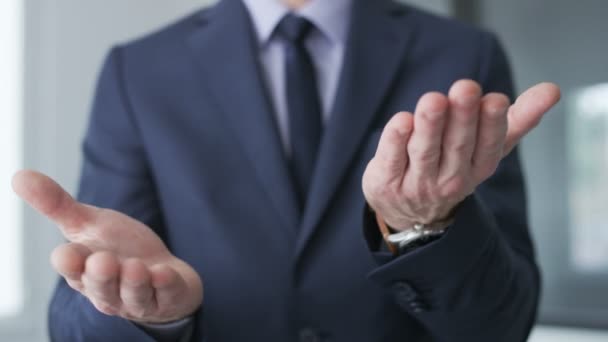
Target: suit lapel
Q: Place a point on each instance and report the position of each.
(225, 50)
(374, 52)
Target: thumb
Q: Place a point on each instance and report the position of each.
(51, 200)
(528, 110)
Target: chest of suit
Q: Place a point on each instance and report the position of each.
(214, 153)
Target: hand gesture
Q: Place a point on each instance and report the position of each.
(118, 263)
(427, 163)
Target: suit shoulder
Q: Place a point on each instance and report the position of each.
(165, 36)
(441, 26)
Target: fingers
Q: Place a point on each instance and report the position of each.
(47, 197)
(391, 154)
(127, 288)
(491, 133)
(168, 284)
(528, 110)
(100, 281)
(424, 148)
(460, 135)
(136, 290)
(69, 261)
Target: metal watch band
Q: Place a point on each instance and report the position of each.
(397, 242)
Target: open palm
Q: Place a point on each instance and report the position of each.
(117, 262)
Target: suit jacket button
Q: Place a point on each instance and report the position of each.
(309, 335)
(404, 292)
(417, 306)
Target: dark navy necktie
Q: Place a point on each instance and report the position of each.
(303, 102)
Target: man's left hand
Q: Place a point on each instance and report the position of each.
(426, 164)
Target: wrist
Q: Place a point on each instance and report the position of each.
(436, 222)
(408, 234)
(408, 239)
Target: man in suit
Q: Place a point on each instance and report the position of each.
(231, 146)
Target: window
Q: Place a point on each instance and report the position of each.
(11, 114)
(588, 189)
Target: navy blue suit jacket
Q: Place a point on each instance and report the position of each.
(182, 137)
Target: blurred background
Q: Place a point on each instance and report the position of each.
(52, 50)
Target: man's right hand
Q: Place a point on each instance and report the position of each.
(118, 263)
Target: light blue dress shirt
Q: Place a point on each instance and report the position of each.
(326, 46)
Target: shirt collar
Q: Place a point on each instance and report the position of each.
(331, 17)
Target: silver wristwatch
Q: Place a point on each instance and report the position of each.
(400, 242)
(418, 232)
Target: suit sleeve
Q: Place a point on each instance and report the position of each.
(479, 281)
(114, 175)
